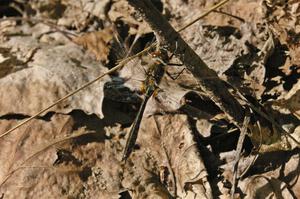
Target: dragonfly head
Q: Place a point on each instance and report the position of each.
(160, 56)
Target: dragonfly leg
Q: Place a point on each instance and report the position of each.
(176, 75)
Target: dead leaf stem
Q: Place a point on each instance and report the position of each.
(203, 15)
(239, 151)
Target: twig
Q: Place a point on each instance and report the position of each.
(230, 15)
(256, 155)
(238, 152)
(203, 15)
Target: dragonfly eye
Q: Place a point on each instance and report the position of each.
(156, 54)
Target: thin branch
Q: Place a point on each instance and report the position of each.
(239, 151)
(203, 15)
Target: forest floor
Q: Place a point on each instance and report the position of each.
(186, 145)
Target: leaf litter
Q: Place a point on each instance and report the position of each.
(172, 157)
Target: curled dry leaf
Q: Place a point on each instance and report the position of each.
(271, 139)
(264, 187)
(267, 176)
(291, 100)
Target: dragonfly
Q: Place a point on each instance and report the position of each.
(165, 90)
(155, 73)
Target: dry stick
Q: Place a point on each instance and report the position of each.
(204, 14)
(120, 65)
(238, 151)
(231, 15)
(256, 155)
(172, 40)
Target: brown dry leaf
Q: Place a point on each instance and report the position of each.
(37, 177)
(106, 170)
(291, 100)
(46, 8)
(248, 72)
(272, 174)
(97, 43)
(93, 7)
(268, 137)
(76, 168)
(83, 14)
(273, 140)
(168, 152)
(121, 10)
(216, 49)
(74, 17)
(5, 28)
(255, 79)
(142, 179)
(168, 98)
(264, 187)
(54, 72)
(287, 30)
(8, 62)
(293, 59)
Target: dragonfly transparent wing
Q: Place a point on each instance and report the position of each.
(169, 93)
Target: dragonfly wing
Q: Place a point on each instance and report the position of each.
(167, 99)
(116, 90)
